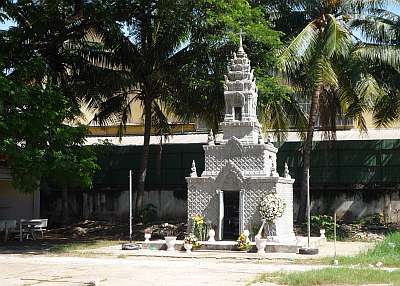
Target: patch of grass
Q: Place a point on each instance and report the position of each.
(387, 252)
(80, 245)
(333, 276)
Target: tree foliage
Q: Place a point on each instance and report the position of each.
(39, 57)
(329, 66)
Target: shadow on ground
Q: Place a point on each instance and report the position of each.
(47, 245)
(86, 234)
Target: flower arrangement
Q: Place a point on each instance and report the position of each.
(191, 239)
(272, 207)
(242, 243)
(199, 227)
(168, 229)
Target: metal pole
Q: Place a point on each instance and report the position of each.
(308, 209)
(130, 205)
(334, 234)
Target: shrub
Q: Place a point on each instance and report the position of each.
(322, 222)
(374, 219)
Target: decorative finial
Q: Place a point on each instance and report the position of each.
(286, 172)
(210, 140)
(193, 174)
(274, 173)
(260, 139)
(241, 41)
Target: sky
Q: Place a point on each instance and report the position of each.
(393, 8)
(5, 25)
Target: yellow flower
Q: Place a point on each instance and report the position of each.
(198, 219)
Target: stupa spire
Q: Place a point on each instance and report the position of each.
(241, 41)
(240, 94)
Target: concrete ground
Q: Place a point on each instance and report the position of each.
(112, 266)
(46, 271)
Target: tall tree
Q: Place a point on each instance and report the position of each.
(39, 59)
(380, 30)
(173, 56)
(324, 58)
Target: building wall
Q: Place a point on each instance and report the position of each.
(111, 205)
(14, 204)
(114, 205)
(355, 178)
(352, 205)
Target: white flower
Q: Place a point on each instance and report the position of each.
(272, 207)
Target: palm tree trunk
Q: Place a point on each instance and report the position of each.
(144, 159)
(307, 154)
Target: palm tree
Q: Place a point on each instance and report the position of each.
(150, 58)
(325, 63)
(381, 31)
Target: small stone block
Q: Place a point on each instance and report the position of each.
(308, 251)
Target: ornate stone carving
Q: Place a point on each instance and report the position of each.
(260, 139)
(274, 173)
(286, 172)
(210, 139)
(240, 91)
(193, 170)
(233, 148)
(229, 178)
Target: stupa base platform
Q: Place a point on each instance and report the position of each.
(271, 247)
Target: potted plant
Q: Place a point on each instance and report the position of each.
(190, 242)
(170, 237)
(271, 207)
(261, 242)
(242, 243)
(147, 234)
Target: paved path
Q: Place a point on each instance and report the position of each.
(50, 270)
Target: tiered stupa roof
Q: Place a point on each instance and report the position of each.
(240, 94)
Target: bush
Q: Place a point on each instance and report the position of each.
(326, 222)
(375, 219)
(322, 222)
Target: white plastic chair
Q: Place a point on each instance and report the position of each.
(40, 225)
(29, 227)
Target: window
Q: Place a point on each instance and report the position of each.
(342, 122)
(238, 113)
